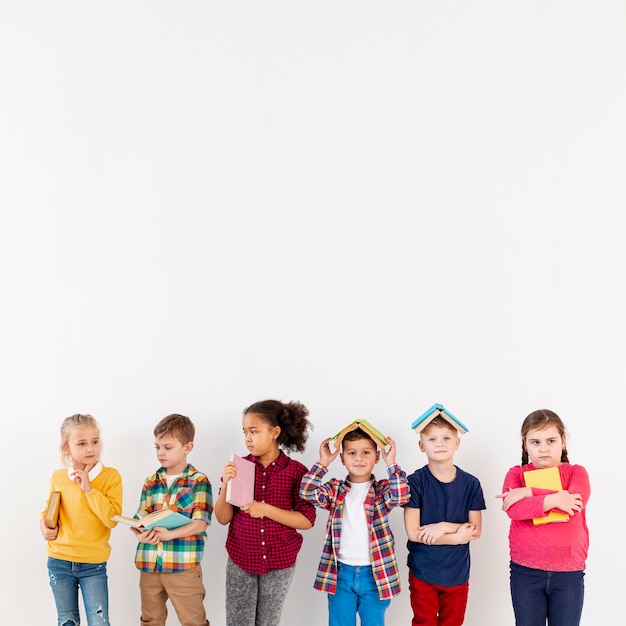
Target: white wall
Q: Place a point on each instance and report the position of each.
(369, 207)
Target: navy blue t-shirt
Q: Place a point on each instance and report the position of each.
(447, 566)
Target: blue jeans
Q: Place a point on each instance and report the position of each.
(356, 593)
(539, 595)
(65, 579)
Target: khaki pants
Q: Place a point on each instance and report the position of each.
(185, 591)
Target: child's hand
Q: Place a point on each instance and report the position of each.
(389, 454)
(49, 534)
(431, 532)
(327, 456)
(81, 478)
(255, 509)
(163, 534)
(229, 471)
(564, 501)
(466, 532)
(145, 535)
(512, 496)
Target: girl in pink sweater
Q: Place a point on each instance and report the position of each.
(547, 560)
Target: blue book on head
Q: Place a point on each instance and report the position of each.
(437, 410)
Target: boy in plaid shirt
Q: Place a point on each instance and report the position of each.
(358, 567)
(169, 560)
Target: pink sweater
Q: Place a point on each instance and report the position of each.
(558, 546)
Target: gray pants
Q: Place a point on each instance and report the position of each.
(253, 600)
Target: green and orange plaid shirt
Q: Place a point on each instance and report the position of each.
(190, 495)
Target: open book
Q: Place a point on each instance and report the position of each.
(165, 517)
(240, 489)
(548, 478)
(365, 426)
(437, 410)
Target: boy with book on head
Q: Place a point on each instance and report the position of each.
(441, 518)
(169, 560)
(358, 567)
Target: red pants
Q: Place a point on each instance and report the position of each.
(434, 605)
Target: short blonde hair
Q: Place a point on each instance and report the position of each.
(441, 422)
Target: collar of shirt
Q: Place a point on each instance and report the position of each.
(280, 461)
(162, 472)
(93, 472)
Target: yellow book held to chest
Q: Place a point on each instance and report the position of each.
(548, 478)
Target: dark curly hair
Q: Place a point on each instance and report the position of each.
(291, 417)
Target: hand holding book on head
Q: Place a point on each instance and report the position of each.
(327, 456)
(389, 453)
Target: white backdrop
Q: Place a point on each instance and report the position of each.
(368, 207)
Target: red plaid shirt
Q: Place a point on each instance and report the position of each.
(383, 495)
(261, 545)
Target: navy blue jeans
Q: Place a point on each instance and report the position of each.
(539, 595)
(66, 577)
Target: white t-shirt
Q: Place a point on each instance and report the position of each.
(354, 546)
(171, 479)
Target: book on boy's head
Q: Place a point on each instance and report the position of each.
(165, 517)
(365, 426)
(437, 410)
(548, 478)
(240, 488)
(51, 518)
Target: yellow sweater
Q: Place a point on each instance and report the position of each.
(85, 518)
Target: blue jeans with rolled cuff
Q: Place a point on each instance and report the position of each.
(356, 594)
(66, 578)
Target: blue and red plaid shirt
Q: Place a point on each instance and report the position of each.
(381, 498)
(261, 545)
(190, 494)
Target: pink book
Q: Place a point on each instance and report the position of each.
(240, 489)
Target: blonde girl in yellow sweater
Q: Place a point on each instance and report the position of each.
(78, 547)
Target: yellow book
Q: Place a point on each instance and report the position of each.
(365, 426)
(548, 478)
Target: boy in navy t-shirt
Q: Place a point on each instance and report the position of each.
(442, 517)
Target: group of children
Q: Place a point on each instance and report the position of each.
(358, 568)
